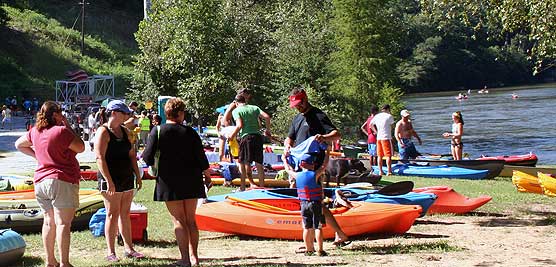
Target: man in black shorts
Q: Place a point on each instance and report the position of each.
(311, 121)
(250, 139)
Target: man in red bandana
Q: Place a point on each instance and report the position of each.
(311, 121)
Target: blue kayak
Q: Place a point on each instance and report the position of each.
(411, 198)
(441, 171)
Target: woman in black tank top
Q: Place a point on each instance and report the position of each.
(118, 173)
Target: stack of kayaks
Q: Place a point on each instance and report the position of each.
(256, 219)
(442, 171)
(275, 197)
(450, 201)
(526, 183)
(20, 210)
(12, 247)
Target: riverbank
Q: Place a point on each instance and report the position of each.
(14, 162)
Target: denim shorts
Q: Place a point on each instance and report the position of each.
(54, 193)
(372, 149)
(311, 212)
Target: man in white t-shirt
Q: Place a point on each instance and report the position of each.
(381, 125)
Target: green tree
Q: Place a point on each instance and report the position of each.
(186, 52)
(368, 40)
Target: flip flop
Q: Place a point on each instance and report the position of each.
(341, 244)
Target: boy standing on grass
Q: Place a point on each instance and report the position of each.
(309, 191)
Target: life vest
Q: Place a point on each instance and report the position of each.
(307, 186)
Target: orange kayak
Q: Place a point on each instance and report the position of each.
(256, 219)
(526, 182)
(450, 201)
(548, 184)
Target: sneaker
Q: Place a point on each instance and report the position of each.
(134, 254)
(112, 258)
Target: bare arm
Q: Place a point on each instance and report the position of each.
(101, 144)
(397, 133)
(133, 159)
(25, 146)
(364, 128)
(329, 137)
(266, 118)
(228, 113)
(416, 135)
(239, 125)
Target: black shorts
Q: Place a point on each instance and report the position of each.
(251, 149)
(122, 185)
(311, 212)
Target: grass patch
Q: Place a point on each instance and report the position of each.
(441, 246)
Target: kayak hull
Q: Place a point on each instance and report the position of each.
(494, 167)
(442, 171)
(243, 219)
(268, 196)
(519, 160)
(526, 183)
(450, 201)
(548, 184)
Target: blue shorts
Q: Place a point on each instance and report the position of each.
(311, 213)
(372, 149)
(409, 151)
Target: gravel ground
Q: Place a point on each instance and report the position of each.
(15, 162)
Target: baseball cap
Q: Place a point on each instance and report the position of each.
(118, 105)
(308, 158)
(297, 98)
(405, 113)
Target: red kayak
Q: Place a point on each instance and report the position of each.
(450, 201)
(519, 160)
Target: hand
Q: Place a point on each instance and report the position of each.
(267, 132)
(319, 138)
(139, 183)
(111, 189)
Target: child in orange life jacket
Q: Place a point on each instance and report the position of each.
(309, 191)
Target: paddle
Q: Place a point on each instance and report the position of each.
(394, 189)
(255, 204)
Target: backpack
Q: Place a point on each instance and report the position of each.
(153, 170)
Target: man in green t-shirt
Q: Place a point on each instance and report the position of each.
(250, 139)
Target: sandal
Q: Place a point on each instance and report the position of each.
(341, 244)
(309, 253)
(300, 250)
(322, 253)
(134, 254)
(112, 258)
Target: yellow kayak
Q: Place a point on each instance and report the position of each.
(548, 184)
(526, 182)
(25, 199)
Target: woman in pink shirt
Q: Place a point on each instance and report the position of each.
(54, 145)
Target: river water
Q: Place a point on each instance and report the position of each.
(495, 123)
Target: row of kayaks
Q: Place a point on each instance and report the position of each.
(19, 210)
(542, 183)
(274, 213)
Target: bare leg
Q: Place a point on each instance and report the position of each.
(260, 172)
(319, 237)
(389, 165)
(191, 224)
(63, 218)
(124, 221)
(380, 166)
(330, 220)
(112, 204)
(243, 175)
(177, 212)
(221, 148)
(308, 239)
(49, 237)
